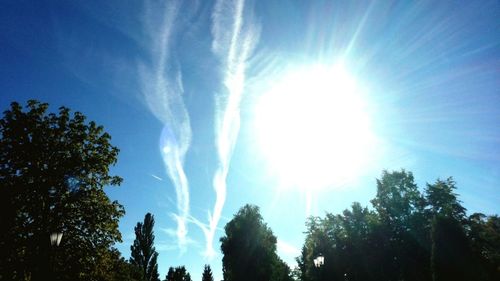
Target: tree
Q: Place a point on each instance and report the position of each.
(114, 267)
(249, 248)
(443, 200)
(143, 253)
(485, 238)
(349, 243)
(451, 252)
(178, 274)
(281, 271)
(207, 274)
(170, 274)
(452, 256)
(404, 226)
(407, 237)
(53, 170)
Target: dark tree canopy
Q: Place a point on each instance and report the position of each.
(143, 253)
(407, 236)
(443, 201)
(53, 170)
(207, 274)
(249, 249)
(485, 239)
(178, 273)
(451, 256)
(400, 208)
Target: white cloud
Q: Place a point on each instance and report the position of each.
(162, 90)
(163, 247)
(285, 249)
(235, 35)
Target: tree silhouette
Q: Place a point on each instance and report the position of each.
(249, 249)
(53, 169)
(485, 239)
(451, 257)
(178, 273)
(170, 274)
(408, 236)
(207, 274)
(143, 253)
(443, 201)
(400, 207)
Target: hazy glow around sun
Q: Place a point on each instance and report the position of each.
(313, 127)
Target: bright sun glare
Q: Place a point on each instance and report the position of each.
(314, 128)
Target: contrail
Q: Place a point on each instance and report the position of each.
(233, 46)
(162, 89)
(156, 177)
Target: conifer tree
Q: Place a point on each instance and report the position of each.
(207, 274)
(178, 273)
(144, 255)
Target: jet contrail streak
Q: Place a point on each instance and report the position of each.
(233, 48)
(163, 91)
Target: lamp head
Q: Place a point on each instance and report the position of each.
(55, 238)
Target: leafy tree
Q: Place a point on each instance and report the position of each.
(404, 226)
(452, 257)
(349, 243)
(397, 198)
(178, 274)
(485, 239)
(443, 200)
(207, 274)
(407, 237)
(170, 274)
(143, 253)
(302, 264)
(115, 267)
(53, 170)
(281, 271)
(249, 248)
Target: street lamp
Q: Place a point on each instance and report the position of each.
(55, 238)
(319, 261)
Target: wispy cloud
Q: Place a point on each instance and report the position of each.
(286, 249)
(168, 246)
(162, 90)
(288, 253)
(235, 34)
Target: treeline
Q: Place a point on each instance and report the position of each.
(407, 235)
(249, 249)
(57, 223)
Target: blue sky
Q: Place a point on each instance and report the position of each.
(177, 84)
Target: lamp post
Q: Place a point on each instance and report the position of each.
(55, 240)
(319, 261)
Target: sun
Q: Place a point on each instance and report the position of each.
(314, 128)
